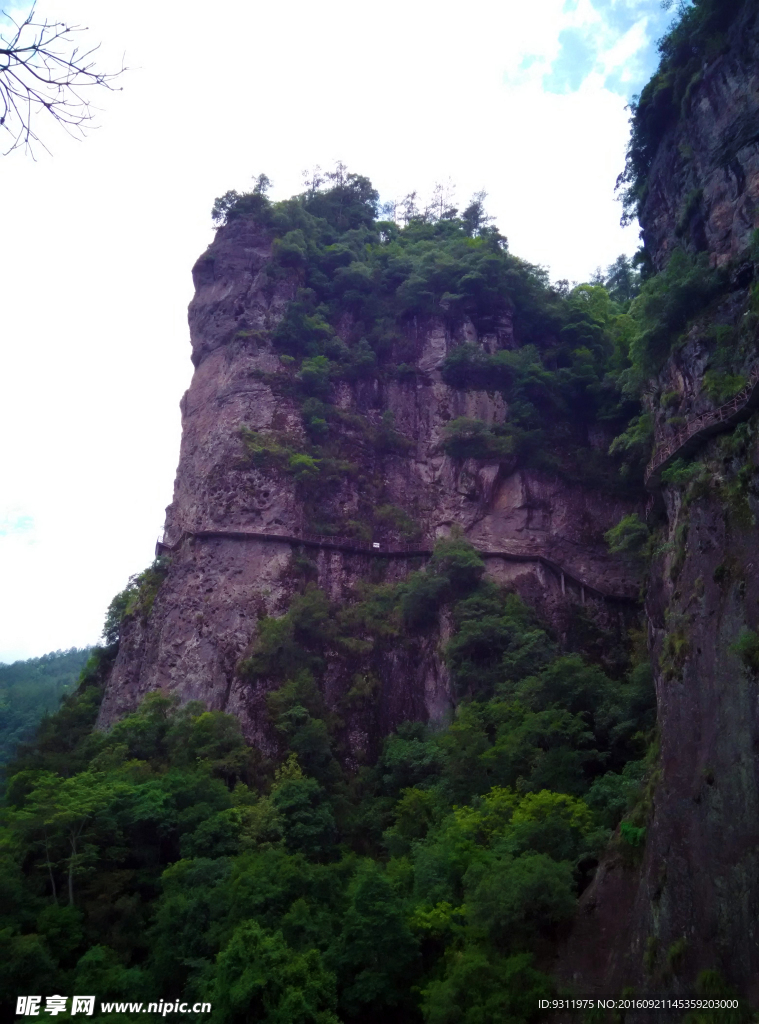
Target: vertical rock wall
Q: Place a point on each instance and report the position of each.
(692, 902)
(703, 187)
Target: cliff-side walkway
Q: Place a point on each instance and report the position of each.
(350, 545)
(699, 428)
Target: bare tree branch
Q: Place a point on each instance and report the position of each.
(42, 70)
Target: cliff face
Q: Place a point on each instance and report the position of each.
(692, 902)
(540, 535)
(703, 185)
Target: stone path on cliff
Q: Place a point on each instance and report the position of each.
(352, 546)
(698, 428)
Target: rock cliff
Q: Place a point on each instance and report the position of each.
(235, 530)
(690, 904)
(703, 183)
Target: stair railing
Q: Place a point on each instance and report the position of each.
(703, 421)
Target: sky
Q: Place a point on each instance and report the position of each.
(524, 100)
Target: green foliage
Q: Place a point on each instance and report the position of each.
(514, 900)
(454, 569)
(747, 648)
(634, 444)
(473, 439)
(623, 280)
(629, 537)
(284, 645)
(631, 835)
(31, 689)
(275, 451)
(676, 952)
(376, 270)
(375, 951)
(573, 369)
(721, 386)
(613, 794)
(168, 855)
(259, 977)
(398, 520)
(64, 742)
(555, 391)
(419, 879)
(136, 599)
(710, 984)
(676, 641)
(666, 304)
(235, 204)
(542, 400)
(690, 208)
(680, 473)
(480, 986)
(496, 640)
(309, 826)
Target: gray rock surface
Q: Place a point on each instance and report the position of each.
(703, 188)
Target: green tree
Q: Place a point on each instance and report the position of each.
(257, 976)
(375, 953)
(514, 900)
(483, 987)
(308, 822)
(63, 819)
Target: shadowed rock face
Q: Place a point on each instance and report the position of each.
(697, 888)
(692, 902)
(204, 617)
(703, 187)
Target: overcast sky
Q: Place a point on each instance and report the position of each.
(524, 100)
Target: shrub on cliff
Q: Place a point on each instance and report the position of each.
(747, 648)
(234, 204)
(634, 445)
(667, 302)
(472, 439)
(136, 599)
(628, 537)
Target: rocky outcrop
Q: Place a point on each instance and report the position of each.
(703, 185)
(542, 535)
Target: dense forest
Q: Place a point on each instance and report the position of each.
(431, 880)
(168, 856)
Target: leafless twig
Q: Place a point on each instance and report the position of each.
(43, 70)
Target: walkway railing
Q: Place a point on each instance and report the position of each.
(352, 546)
(698, 428)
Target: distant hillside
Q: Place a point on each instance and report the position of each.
(30, 688)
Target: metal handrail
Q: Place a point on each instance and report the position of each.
(725, 414)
